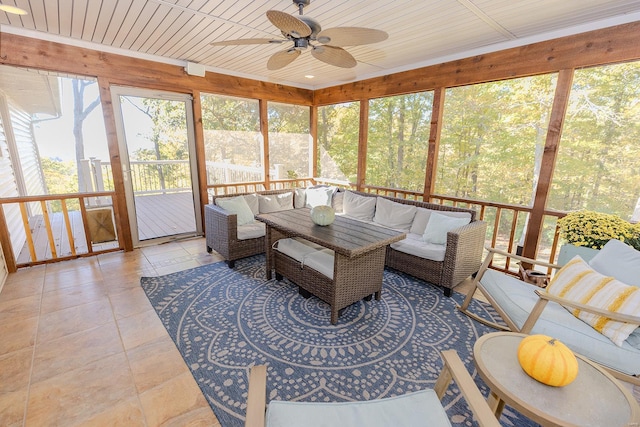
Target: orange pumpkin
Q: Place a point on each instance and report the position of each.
(547, 360)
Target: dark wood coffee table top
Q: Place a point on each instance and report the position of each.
(345, 236)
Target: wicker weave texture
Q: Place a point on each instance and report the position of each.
(354, 278)
(221, 231)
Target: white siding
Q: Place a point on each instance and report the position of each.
(27, 151)
(9, 188)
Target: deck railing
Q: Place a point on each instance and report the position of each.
(66, 223)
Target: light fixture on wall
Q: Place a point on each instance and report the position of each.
(12, 9)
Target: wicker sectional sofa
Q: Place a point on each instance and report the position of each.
(450, 263)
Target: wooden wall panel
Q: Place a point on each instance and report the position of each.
(609, 45)
(128, 71)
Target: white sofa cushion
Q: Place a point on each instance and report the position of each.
(321, 261)
(252, 230)
(359, 207)
(237, 205)
(393, 214)
(299, 198)
(422, 218)
(414, 245)
(618, 260)
(438, 227)
(412, 409)
(296, 248)
(275, 202)
(252, 201)
(578, 282)
(317, 196)
(517, 298)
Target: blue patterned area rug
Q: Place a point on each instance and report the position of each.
(225, 320)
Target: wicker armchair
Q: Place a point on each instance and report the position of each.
(221, 231)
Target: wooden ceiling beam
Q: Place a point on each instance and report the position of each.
(129, 71)
(605, 46)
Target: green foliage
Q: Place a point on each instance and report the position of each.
(398, 140)
(289, 138)
(60, 177)
(492, 139)
(598, 166)
(231, 130)
(338, 135)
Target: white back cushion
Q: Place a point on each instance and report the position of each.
(393, 214)
(578, 282)
(275, 202)
(618, 260)
(319, 196)
(252, 201)
(422, 218)
(359, 207)
(237, 205)
(438, 227)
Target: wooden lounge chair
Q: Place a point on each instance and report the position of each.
(420, 408)
(529, 309)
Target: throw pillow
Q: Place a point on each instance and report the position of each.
(619, 260)
(252, 201)
(359, 207)
(319, 196)
(578, 282)
(393, 214)
(275, 202)
(239, 206)
(439, 225)
(422, 218)
(300, 198)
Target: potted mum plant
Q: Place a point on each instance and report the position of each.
(585, 232)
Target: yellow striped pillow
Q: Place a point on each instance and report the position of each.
(577, 281)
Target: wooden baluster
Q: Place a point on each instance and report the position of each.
(67, 223)
(27, 230)
(47, 224)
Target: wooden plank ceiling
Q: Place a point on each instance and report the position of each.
(420, 32)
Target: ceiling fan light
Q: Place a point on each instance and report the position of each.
(12, 9)
(324, 39)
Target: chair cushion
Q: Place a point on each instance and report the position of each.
(359, 207)
(517, 299)
(423, 214)
(237, 205)
(296, 248)
(438, 227)
(397, 216)
(414, 245)
(275, 202)
(578, 282)
(321, 261)
(420, 408)
(251, 230)
(619, 260)
(316, 196)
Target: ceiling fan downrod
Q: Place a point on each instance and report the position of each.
(301, 4)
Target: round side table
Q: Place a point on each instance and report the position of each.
(594, 398)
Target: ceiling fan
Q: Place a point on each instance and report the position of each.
(305, 32)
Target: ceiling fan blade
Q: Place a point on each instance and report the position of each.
(246, 41)
(288, 24)
(282, 59)
(351, 36)
(334, 56)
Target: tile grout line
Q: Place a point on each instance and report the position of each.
(33, 351)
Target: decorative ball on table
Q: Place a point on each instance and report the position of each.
(323, 215)
(547, 360)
